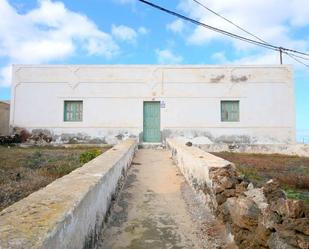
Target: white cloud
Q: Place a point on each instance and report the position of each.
(165, 56)
(143, 30)
(263, 58)
(260, 59)
(274, 21)
(176, 26)
(47, 33)
(5, 76)
(124, 33)
(128, 34)
(130, 3)
(219, 58)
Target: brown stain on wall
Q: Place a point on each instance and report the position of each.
(239, 78)
(217, 79)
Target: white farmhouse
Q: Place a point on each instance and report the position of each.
(241, 104)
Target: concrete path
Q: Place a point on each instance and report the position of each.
(156, 208)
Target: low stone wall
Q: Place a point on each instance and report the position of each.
(256, 217)
(70, 212)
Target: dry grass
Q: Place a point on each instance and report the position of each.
(291, 171)
(25, 170)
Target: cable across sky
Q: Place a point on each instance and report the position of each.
(293, 56)
(259, 42)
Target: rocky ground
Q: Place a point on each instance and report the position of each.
(258, 217)
(292, 172)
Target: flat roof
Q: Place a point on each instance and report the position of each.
(159, 65)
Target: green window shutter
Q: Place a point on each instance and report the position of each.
(73, 111)
(230, 111)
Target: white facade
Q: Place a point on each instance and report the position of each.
(190, 97)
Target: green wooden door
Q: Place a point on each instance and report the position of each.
(151, 127)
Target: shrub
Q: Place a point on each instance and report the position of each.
(24, 135)
(299, 181)
(89, 155)
(58, 170)
(35, 160)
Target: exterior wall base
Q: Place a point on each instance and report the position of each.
(211, 136)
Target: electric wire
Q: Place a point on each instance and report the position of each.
(260, 43)
(229, 21)
(255, 36)
(295, 59)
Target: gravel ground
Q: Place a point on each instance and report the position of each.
(211, 233)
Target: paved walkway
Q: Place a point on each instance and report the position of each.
(153, 210)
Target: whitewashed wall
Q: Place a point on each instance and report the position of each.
(113, 100)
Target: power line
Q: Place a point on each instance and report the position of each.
(255, 36)
(300, 57)
(293, 56)
(258, 43)
(229, 21)
(262, 44)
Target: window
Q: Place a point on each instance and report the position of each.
(230, 111)
(73, 111)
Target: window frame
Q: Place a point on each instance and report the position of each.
(223, 119)
(76, 112)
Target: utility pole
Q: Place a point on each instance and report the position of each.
(280, 50)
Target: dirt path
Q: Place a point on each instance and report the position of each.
(157, 209)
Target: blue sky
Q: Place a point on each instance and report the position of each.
(128, 32)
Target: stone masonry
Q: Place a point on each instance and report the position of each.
(256, 217)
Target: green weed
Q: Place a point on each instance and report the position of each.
(89, 155)
(295, 194)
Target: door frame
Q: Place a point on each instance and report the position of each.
(152, 101)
